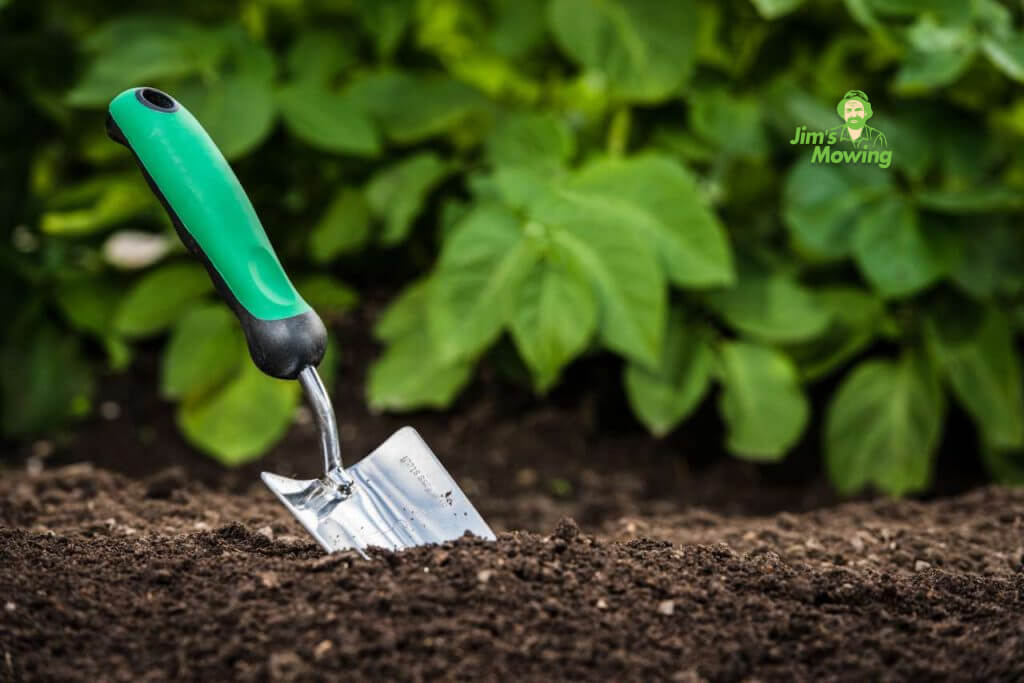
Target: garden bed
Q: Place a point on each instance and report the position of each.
(126, 555)
(105, 577)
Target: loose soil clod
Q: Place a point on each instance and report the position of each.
(101, 581)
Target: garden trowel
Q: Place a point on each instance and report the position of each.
(398, 496)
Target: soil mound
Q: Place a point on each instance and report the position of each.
(106, 578)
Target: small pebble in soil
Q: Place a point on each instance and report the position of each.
(484, 575)
(321, 649)
(266, 532)
(284, 666)
(327, 561)
(567, 529)
(10, 606)
(526, 477)
(666, 607)
(601, 604)
(921, 565)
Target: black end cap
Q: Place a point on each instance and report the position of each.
(282, 348)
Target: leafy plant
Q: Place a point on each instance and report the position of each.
(564, 178)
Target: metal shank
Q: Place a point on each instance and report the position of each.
(326, 424)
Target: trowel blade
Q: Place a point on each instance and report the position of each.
(402, 496)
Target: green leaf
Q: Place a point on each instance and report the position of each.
(908, 131)
(330, 297)
(413, 108)
(773, 9)
(985, 373)
(386, 21)
(732, 123)
(244, 419)
(327, 120)
(237, 131)
(405, 313)
(410, 375)
(555, 317)
(924, 71)
(396, 194)
(761, 403)
(477, 280)
(204, 351)
(822, 203)
(344, 227)
(939, 55)
(664, 395)
(159, 298)
(771, 307)
(971, 200)
(662, 200)
(142, 49)
(988, 260)
(796, 106)
(855, 317)
(891, 250)
(1007, 53)
(45, 381)
(247, 77)
(883, 426)
(119, 353)
(519, 27)
(538, 141)
(621, 266)
(951, 11)
(583, 230)
(319, 55)
(89, 304)
(96, 205)
(644, 49)
(516, 186)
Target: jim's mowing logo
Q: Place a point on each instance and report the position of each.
(853, 142)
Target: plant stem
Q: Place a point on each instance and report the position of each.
(618, 131)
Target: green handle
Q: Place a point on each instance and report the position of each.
(216, 221)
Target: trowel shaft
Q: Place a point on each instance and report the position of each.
(326, 424)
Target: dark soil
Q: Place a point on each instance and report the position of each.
(147, 561)
(105, 578)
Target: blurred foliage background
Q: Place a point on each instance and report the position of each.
(552, 178)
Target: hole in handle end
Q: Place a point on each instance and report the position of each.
(156, 99)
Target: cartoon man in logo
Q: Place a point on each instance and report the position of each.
(855, 110)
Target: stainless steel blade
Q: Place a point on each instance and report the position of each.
(401, 496)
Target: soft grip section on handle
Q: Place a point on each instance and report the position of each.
(215, 220)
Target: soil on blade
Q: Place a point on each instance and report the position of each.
(108, 578)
